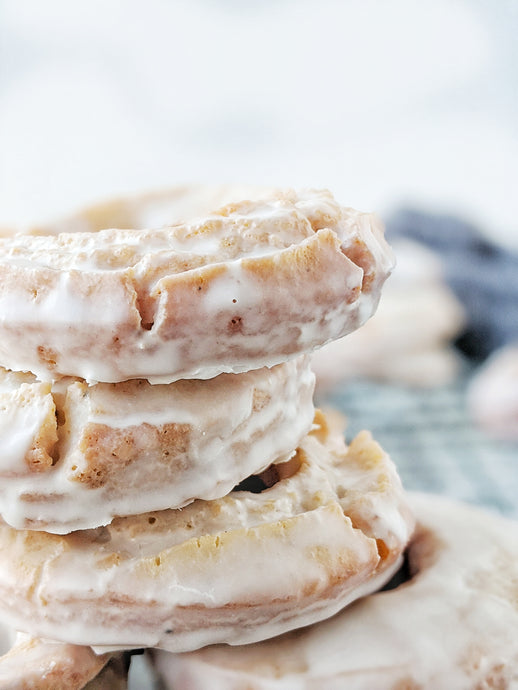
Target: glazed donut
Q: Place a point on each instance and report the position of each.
(152, 209)
(418, 352)
(453, 625)
(237, 569)
(492, 395)
(32, 664)
(251, 285)
(74, 456)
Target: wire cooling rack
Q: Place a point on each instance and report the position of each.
(433, 441)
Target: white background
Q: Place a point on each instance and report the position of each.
(383, 101)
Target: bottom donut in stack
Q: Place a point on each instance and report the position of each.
(452, 623)
(329, 527)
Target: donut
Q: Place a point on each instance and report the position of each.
(285, 549)
(251, 285)
(29, 663)
(152, 209)
(74, 456)
(453, 624)
(492, 394)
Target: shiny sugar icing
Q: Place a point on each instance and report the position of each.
(249, 286)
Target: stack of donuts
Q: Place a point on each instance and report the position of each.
(165, 479)
(166, 482)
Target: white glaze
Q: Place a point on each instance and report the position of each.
(256, 564)
(23, 411)
(72, 294)
(454, 625)
(228, 440)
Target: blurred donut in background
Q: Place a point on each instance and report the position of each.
(483, 276)
(493, 394)
(410, 338)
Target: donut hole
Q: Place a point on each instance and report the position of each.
(257, 483)
(421, 553)
(423, 550)
(401, 577)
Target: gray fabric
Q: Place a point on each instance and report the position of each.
(482, 274)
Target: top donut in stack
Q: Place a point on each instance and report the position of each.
(252, 285)
(148, 369)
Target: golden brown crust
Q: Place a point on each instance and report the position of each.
(108, 451)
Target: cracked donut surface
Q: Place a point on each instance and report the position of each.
(250, 285)
(74, 456)
(237, 569)
(453, 623)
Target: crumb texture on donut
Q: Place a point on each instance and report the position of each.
(236, 569)
(252, 284)
(74, 456)
(453, 624)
